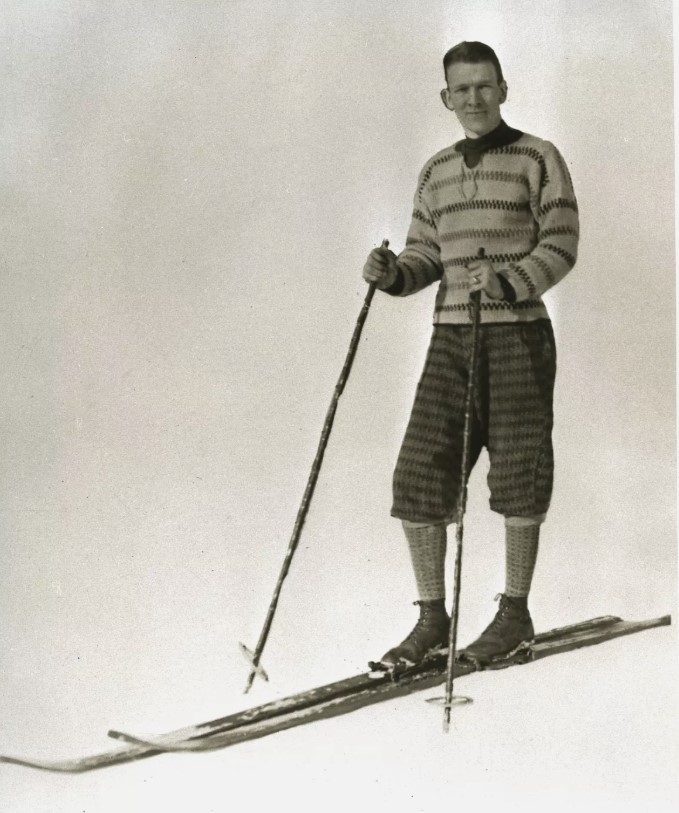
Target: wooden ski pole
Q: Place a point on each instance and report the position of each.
(255, 657)
(475, 309)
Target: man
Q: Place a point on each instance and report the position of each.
(510, 194)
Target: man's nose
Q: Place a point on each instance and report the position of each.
(474, 96)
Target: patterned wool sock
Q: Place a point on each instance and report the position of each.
(521, 549)
(427, 544)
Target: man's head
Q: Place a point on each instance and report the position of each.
(475, 87)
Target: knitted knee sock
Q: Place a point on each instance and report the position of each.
(521, 550)
(427, 544)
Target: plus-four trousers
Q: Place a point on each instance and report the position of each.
(512, 418)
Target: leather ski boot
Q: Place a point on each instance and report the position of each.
(430, 632)
(511, 626)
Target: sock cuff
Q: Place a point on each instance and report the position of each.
(524, 522)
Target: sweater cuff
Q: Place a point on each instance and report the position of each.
(397, 285)
(508, 292)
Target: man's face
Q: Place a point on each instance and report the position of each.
(475, 95)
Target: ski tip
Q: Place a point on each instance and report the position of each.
(160, 747)
(26, 763)
(138, 742)
(51, 767)
(121, 736)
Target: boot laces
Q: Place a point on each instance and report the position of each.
(504, 612)
(426, 612)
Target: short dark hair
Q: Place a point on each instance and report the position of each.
(473, 52)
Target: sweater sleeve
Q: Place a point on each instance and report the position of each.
(555, 210)
(419, 264)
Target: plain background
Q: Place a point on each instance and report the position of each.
(189, 191)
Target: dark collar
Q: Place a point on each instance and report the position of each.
(473, 148)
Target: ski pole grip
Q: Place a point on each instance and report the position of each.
(372, 287)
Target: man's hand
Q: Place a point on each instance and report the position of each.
(482, 277)
(380, 268)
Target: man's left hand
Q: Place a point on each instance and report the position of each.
(482, 277)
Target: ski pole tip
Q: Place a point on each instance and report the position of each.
(256, 668)
(446, 720)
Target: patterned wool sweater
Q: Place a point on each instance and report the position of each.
(517, 203)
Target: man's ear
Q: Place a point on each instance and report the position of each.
(445, 98)
(503, 92)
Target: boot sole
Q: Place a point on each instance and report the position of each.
(481, 664)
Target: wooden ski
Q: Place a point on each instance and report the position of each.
(336, 698)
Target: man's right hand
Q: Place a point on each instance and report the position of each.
(380, 268)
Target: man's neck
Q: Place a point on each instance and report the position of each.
(475, 136)
(474, 148)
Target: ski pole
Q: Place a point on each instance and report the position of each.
(475, 312)
(255, 657)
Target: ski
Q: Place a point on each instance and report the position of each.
(340, 697)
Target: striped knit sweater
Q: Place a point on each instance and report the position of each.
(517, 203)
